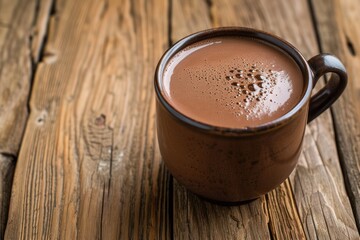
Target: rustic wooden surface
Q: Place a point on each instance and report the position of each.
(93, 166)
(89, 165)
(20, 33)
(340, 34)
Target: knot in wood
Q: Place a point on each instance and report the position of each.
(100, 120)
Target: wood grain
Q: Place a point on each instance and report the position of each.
(284, 220)
(195, 218)
(18, 26)
(337, 22)
(89, 166)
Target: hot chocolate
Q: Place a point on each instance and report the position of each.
(234, 82)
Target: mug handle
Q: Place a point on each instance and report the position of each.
(320, 65)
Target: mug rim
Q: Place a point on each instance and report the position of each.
(269, 38)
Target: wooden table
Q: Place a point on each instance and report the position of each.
(78, 151)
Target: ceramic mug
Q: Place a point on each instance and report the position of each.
(234, 165)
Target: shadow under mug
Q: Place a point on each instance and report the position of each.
(232, 165)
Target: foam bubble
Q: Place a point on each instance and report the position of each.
(259, 77)
(251, 87)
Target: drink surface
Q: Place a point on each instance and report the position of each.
(232, 82)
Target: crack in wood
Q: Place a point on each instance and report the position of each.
(104, 9)
(170, 17)
(314, 24)
(53, 9)
(39, 37)
(350, 46)
(9, 155)
(269, 224)
(36, 12)
(209, 4)
(236, 220)
(7, 167)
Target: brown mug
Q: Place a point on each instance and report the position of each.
(234, 165)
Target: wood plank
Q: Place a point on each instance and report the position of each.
(90, 167)
(337, 22)
(7, 165)
(18, 24)
(272, 216)
(317, 182)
